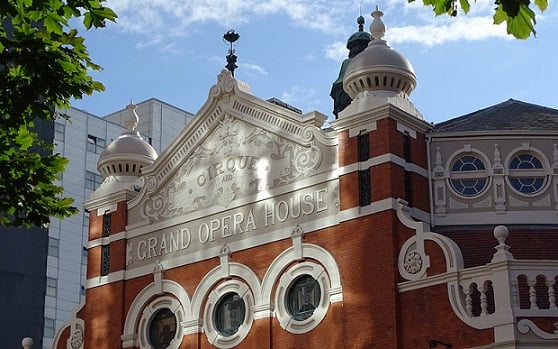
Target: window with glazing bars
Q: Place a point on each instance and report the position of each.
(92, 180)
(363, 147)
(59, 131)
(107, 219)
(409, 187)
(365, 187)
(105, 260)
(95, 144)
(407, 147)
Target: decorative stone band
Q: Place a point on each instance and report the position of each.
(525, 326)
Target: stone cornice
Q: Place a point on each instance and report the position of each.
(379, 108)
(108, 200)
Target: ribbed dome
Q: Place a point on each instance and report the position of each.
(379, 67)
(360, 36)
(129, 153)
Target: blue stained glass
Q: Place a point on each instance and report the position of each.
(468, 186)
(526, 184)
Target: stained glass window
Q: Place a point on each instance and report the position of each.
(468, 176)
(229, 314)
(303, 297)
(527, 173)
(162, 329)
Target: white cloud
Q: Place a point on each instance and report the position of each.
(414, 23)
(337, 51)
(171, 49)
(252, 68)
(147, 16)
(151, 42)
(454, 29)
(303, 98)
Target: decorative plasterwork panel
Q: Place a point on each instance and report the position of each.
(486, 202)
(236, 160)
(501, 201)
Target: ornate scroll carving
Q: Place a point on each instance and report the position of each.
(237, 160)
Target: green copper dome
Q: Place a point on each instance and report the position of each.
(358, 37)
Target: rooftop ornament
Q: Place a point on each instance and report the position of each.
(231, 37)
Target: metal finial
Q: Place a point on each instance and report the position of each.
(231, 36)
(360, 22)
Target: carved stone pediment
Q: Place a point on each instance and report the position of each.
(237, 146)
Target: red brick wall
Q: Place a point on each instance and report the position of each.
(388, 181)
(348, 149)
(63, 339)
(372, 314)
(103, 316)
(349, 191)
(421, 199)
(427, 315)
(477, 246)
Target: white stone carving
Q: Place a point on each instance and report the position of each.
(516, 202)
(237, 160)
(543, 202)
(129, 253)
(498, 172)
(486, 202)
(76, 341)
(413, 262)
(524, 326)
(457, 205)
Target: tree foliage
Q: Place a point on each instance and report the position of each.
(518, 14)
(43, 65)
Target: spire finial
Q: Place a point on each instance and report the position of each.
(231, 36)
(377, 28)
(360, 20)
(131, 120)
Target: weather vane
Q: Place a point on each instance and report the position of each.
(231, 36)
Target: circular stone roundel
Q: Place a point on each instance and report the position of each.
(301, 299)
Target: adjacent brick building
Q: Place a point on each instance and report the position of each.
(259, 228)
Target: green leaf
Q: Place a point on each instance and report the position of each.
(24, 138)
(541, 4)
(52, 24)
(522, 25)
(500, 16)
(465, 6)
(87, 20)
(48, 67)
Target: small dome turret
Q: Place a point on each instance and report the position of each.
(129, 153)
(356, 43)
(379, 67)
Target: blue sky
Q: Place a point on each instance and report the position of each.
(292, 49)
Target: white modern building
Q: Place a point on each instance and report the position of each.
(81, 139)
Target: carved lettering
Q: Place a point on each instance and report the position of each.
(142, 250)
(231, 164)
(163, 245)
(212, 229)
(151, 244)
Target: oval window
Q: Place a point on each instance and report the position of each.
(162, 329)
(303, 297)
(230, 313)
